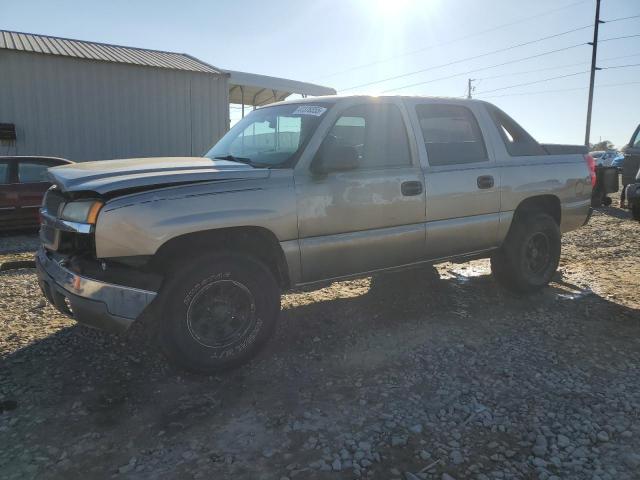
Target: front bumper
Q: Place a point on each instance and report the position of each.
(91, 302)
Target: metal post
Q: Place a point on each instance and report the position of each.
(469, 88)
(594, 54)
(242, 96)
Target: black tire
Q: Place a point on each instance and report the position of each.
(635, 210)
(218, 311)
(530, 255)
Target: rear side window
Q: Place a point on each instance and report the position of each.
(4, 172)
(32, 172)
(451, 134)
(376, 131)
(516, 140)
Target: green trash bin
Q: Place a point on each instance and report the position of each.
(607, 181)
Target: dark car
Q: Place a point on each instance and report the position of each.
(23, 182)
(631, 175)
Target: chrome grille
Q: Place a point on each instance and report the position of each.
(52, 201)
(51, 205)
(49, 236)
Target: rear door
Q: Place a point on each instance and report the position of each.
(462, 180)
(8, 194)
(32, 184)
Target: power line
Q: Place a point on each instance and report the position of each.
(605, 85)
(485, 68)
(493, 52)
(620, 56)
(620, 19)
(509, 74)
(618, 38)
(534, 82)
(620, 66)
(449, 42)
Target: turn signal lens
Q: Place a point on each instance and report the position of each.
(93, 212)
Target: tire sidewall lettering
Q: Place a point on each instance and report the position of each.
(245, 342)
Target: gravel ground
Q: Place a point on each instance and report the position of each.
(16, 243)
(431, 373)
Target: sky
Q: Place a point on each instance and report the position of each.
(346, 44)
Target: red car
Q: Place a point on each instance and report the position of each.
(23, 181)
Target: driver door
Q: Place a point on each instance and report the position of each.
(372, 216)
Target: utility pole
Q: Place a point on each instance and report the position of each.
(469, 87)
(593, 72)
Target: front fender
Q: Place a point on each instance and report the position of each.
(139, 224)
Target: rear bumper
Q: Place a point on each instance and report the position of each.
(91, 302)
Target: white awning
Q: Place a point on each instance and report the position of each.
(255, 90)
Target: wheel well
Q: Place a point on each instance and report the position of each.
(549, 204)
(258, 242)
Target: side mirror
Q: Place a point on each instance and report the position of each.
(335, 159)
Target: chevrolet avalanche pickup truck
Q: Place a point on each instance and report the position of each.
(302, 193)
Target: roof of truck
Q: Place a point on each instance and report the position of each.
(335, 98)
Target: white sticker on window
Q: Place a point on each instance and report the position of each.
(309, 110)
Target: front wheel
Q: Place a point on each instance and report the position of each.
(530, 255)
(218, 311)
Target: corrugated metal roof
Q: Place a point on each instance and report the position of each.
(29, 42)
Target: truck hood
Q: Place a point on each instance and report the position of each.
(107, 176)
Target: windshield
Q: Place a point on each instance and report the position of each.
(271, 136)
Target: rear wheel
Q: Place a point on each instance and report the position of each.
(530, 256)
(218, 311)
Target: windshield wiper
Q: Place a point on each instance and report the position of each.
(247, 161)
(233, 158)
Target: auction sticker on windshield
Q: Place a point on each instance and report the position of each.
(310, 110)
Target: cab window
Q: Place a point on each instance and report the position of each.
(451, 134)
(32, 172)
(4, 172)
(376, 131)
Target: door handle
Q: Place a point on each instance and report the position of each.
(485, 181)
(411, 188)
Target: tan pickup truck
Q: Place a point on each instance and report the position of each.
(301, 193)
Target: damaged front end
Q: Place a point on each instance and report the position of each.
(108, 295)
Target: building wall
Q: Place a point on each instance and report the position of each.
(90, 110)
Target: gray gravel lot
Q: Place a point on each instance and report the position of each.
(431, 373)
(20, 242)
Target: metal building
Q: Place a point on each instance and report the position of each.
(91, 101)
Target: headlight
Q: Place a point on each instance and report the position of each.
(82, 211)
